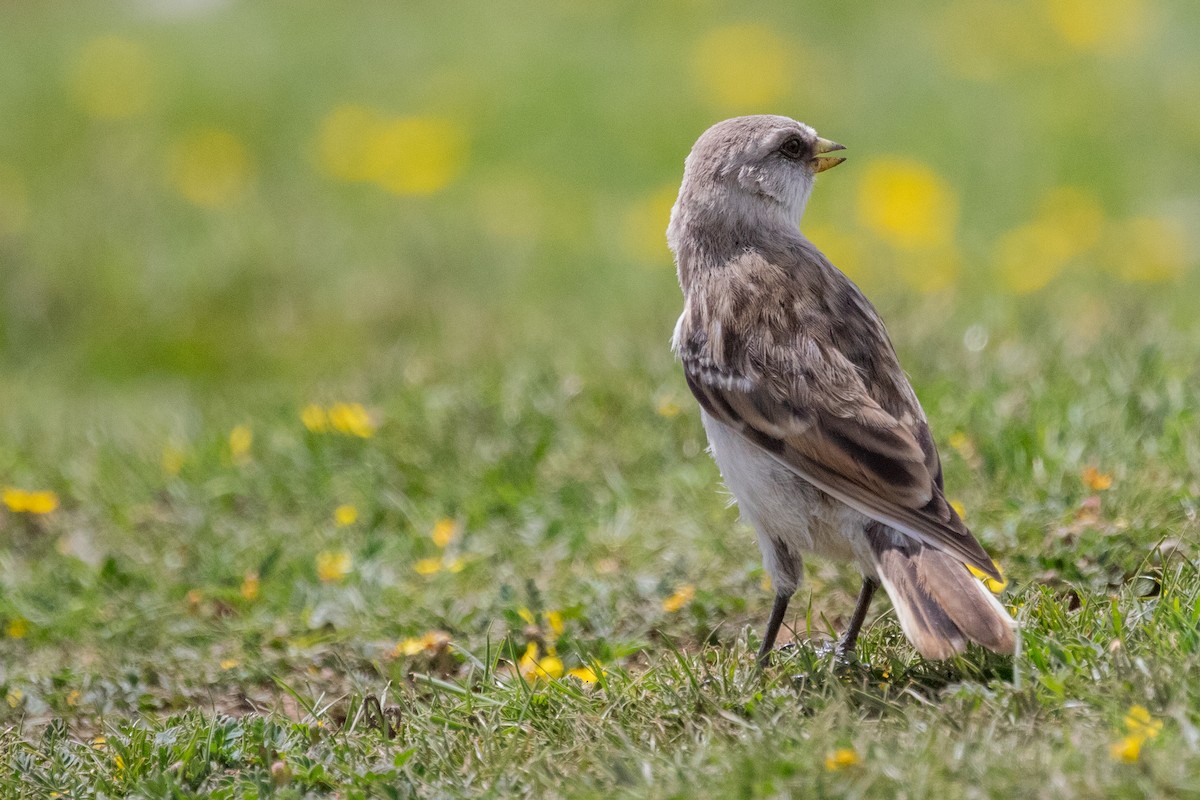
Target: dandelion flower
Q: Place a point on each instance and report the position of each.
(532, 667)
(680, 598)
(1139, 723)
(333, 565)
(907, 204)
(250, 586)
(345, 515)
(16, 628)
(1127, 750)
(1096, 480)
(444, 531)
(742, 66)
(351, 419)
(993, 585)
(210, 168)
(841, 758)
(241, 439)
(113, 78)
(428, 566)
(585, 674)
(23, 502)
(314, 418)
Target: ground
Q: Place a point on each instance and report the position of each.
(342, 451)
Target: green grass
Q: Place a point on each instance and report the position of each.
(508, 336)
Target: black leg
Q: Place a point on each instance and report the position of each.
(850, 639)
(773, 625)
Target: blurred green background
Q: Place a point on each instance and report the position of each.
(227, 191)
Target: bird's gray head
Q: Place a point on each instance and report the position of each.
(749, 173)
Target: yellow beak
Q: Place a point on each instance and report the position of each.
(826, 146)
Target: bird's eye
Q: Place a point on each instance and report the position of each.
(792, 148)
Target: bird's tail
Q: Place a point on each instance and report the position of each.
(941, 605)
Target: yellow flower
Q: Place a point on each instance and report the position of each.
(959, 509)
(430, 642)
(1148, 250)
(526, 615)
(644, 228)
(314, 418)
(351, 419)
(415, 155)
(22, 502)
(172, 459)
(112, 78)
(533, 668)
(73, 697)
(555, 620)
(250, 586)
(841, 758)
(667, 407)
(241, 439)
(1096, 480)
(1110, 27)
(1139, 723)
(455, 565)
(907, 204)
(229, 663)
(99, 742)
(343, 140)
(333, 565)
(345, 515)
(210, 167)
(1030, 256)
(1127, 750)
(428, 566)
(742, 67)
(993, 585)
(585, 674)
(444, 531)
(16, 628)
(682, 596)
(14, 697)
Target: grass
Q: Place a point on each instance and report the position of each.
(196, 619)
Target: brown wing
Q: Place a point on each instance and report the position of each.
(808, 407)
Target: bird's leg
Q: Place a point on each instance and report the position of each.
(845, 647)
(773, 624)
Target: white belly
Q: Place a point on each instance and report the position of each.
(790, 515)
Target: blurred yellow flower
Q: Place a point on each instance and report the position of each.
(993, 585)
(959, 509)
(112, 78)
(22, 502)
(14, 697)
(250, 586)
(314, 418)
(14, 201)
(404, 155)
(841, 758)
(644, 229)
(73, 697)
(351, 419)
(229, 663)
(430, 642)
(667, 407)
(16, 628)
(985, 40)
(345, 515)
(907, 204)
(585, 674)
(742, 67)
(172, 459)
(533, 668)
(241, 439)
(428, 566)
(1127, 750)
(457, 564)
(333, 565)
(680, 598)
(1139, 722)
(1148, 250)
(1030, 256)
(555, 620)
(343, 139)
(444, 531)
(416, 155)
(1110, 27)
(1096, 480)
(210, 167)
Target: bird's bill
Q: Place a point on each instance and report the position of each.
(827, 162)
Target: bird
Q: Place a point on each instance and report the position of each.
(812, 422)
